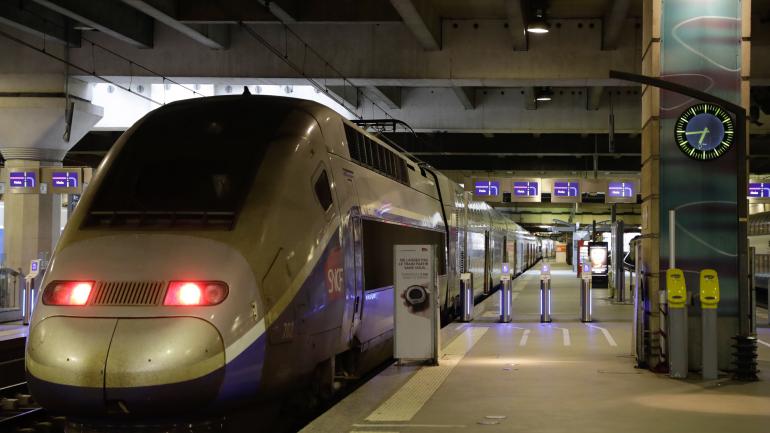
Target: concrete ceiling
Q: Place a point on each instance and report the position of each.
(455, 66)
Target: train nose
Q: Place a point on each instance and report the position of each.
(155, 366)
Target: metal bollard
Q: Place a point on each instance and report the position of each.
(466, 296)
(586, 304)
(545, 294)
(709, 299)
(677, 323)
(506, 301)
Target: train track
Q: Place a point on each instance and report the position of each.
(19, 412)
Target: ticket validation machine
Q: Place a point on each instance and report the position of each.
(586, 304)
(545, 293)
(676, 293)
(709, 300)
(506, 299)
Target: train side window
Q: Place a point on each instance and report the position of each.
(323, 192)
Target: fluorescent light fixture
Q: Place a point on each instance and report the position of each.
(538, 27)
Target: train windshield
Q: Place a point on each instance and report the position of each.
(187, 165)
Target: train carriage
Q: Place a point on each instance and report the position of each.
(238, 248)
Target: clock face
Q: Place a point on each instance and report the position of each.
(704, 131)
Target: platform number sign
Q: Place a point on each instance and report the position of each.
(704, 131)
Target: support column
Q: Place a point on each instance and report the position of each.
(33, 122)
(703, 45)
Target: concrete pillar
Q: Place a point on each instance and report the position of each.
(686, 65)
(32, 135)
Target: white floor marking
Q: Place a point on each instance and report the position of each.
(565, 336)
(410, 426)
(524, 337)
(763, 342)
(607, 335)
(12, 332)
(410, 398)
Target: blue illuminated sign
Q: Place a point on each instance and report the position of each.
(506, 268)
(621, 189)
(488, 188)
(22, 179)
(566, 189)
(64, 179)
(759, 190)
(525, 189)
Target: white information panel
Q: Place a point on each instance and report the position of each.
(416, 315)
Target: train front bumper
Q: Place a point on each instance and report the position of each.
(144, 366)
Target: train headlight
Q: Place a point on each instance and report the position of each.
(68, 293)
(184, 293)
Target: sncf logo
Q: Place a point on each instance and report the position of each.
(334, 274)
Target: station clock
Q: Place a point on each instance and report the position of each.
(704, 131)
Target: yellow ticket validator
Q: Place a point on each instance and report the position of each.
(709, 288)
(676, 292)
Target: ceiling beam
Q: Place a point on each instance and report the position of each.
(466, 97)
(594, 97)
(420, 17)
(388, 95)
(614, 23)
(349, 94)
(165, 12)
(530, 103)
(517, 24)
(39, 21)
(284, 10)
(115, 19)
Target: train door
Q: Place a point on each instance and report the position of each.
(487, 261)
(350, 229)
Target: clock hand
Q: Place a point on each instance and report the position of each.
(702, 134)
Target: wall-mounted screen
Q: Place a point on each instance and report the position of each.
(488, 188)
(620, 192)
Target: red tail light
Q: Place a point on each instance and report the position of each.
(68, 293)
(195, 293)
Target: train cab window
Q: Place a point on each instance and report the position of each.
(323, 192)
(187, 165)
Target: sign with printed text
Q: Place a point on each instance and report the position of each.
(416, 300)
(22, 180)
(566, 191)
(525, 190)
(486, 188)
(759, 190)
(64, 180)
(620, 192)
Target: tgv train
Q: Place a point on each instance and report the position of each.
(238, 248)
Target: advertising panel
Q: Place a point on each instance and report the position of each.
(416, 316)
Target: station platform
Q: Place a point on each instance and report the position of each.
(13, 331)
(565, 376)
